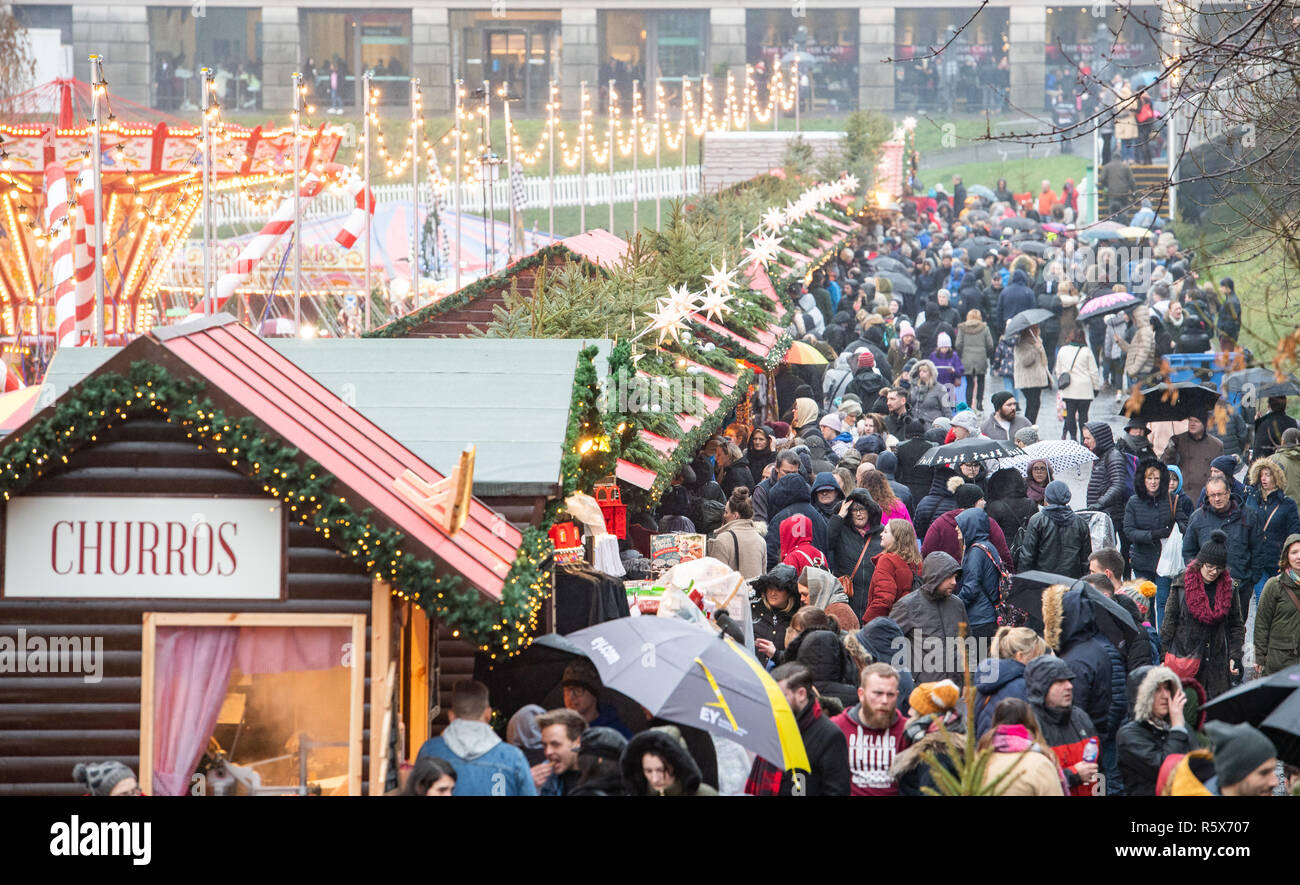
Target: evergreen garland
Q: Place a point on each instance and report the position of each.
(102, 401)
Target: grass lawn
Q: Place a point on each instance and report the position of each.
(566, 218)
(1021, 174)
(940, 132)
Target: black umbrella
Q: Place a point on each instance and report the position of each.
(1175, 401)
(966, 451)
(900, 282)
(1253, 701)
(977, 215)
(530, 676)
(1261, 377)
(1283, 728)
(891, 265)
(978, 244)
(1026, 318)
(1110, 616)
(1019, 223)
(1286, 388)
(1027, 593)
(1032, 247)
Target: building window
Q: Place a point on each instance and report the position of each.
(227, 40)
(519, 49)
(971, 74)
(339, 45)
(826, 42)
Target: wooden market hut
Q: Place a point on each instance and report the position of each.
(200, 426)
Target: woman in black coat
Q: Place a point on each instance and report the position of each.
(856, 526)
(1009, 504)
(1150, 516)
(1204, 619)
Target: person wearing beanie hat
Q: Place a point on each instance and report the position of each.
(599, 773)
(1026, 436)
(1244, 527)
(930, 698)
(866, 360)
(1066, 726)
(933, 704)
(1202, 630)
(907, 346)
(968, 495)
(965, 422)
(1245, 760)
(582, 687)
(109, 778)
(1005, 420)
(1156, 730)
(947, 362)
(1225, 467)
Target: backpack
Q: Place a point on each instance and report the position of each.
(1018, 543)
(1008, 614)
(1130, 471)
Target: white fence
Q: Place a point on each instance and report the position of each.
(667, 183)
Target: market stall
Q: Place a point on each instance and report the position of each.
(240, 565)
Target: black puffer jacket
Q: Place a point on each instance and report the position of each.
(939, 501)
(1070, 629)
(927, 616)
(811, 436)
(1008, 503)
(1145, 741)
(833, 671)
(1149, 519)
(866, 384)
(844, 548)
(667, 747)
(791, 495)
(1108, 487)
(916, 478)
(1056, 540)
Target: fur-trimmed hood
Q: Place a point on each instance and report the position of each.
(1258, 465)
(665, 742)
(1147, 680)
(934, 374)
(932, 742)
(1139, 479)
(1067, 617)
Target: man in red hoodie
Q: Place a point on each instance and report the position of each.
(874, 730)
(797, 548)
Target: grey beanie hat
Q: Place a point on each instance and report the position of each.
(1027, 435)
(1057, 492)
(100, 777)
(1238, 750)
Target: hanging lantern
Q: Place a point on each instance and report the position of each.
(613, 509)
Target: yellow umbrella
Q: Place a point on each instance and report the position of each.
(801, 353)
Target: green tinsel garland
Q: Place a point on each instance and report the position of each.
(100, 402)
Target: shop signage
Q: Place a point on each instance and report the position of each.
(96, 547)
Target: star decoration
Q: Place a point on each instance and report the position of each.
(719, 281)
(849, 183)
(764, 248)
(773, 219)
(667, 320)
(680, 299)
(714, 304)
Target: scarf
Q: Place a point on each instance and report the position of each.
(1198, 599)
(1016, 739)
(1293, 577)
(1033, 490)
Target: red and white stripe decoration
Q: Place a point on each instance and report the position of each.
(355, 224)
(83, 255)
(281, 222)
(62, 271)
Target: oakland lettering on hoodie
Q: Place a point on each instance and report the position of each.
(871, 753)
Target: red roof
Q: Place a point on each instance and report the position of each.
(600, 247)
(365, 460)
(641, 477)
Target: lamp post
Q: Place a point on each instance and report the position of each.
(297, 205)
(205, 75)
(366, 111)
(98, 88)
(417, 130)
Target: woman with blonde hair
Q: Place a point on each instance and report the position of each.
(1001, 673)
(897, 568)
(1021, 755)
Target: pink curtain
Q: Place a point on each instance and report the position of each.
(192, 667)
(284, 649)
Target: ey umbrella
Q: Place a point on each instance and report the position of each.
(687, 674)
(1026, 318)
(969, 450)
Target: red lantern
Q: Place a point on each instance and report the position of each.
(613, 509)
(565, 534)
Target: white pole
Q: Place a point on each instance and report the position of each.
(510, 171)
(417, 130)
(365, 164)
(686, 125)
(613, 97)
(636, 152)
(460, 93)
(550, 178)
(206, 137)
(582, 169)
(659, 139)
(97, 167)
(488, 167)
(297, 205)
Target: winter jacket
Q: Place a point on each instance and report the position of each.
(1016, 297)
(791, 495)
(980, 569)
(900, 353)
(1277, 518)
(1137, 446)
(737, 475)
(940, 500)
(993, 430)
(1085, 378)
(1277, 622)
(912, 771)
(1142, 349)
(797, 550)
(942, 537)
(1230, 316)
(930, 401)
(926, 617)
(1193, 457)
(1024, 768)
(948, 368)
(808, 304)
(772, 624)
(1268, 432)
(994, 684)
(871, 752)
(825, 593)
(1057, 540)
(1108, 486)
(828, 761)
(820, 450)
(665, 744)
(741, 548)
(847, 545)
(1031, 362)
(917, 479)
(1235, 436)
(1149, 520)
(1216, 644)
(1066, 729)
(892, 578)
(1242, 527)
(1145, 741)
(833, 672)
(1070, 629)
(1008, 502)
(974, 345)
(866, 385)
(485, 765)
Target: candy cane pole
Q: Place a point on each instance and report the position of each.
(56, 216)
(357, 221)
(83, 255)
(98, 87)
